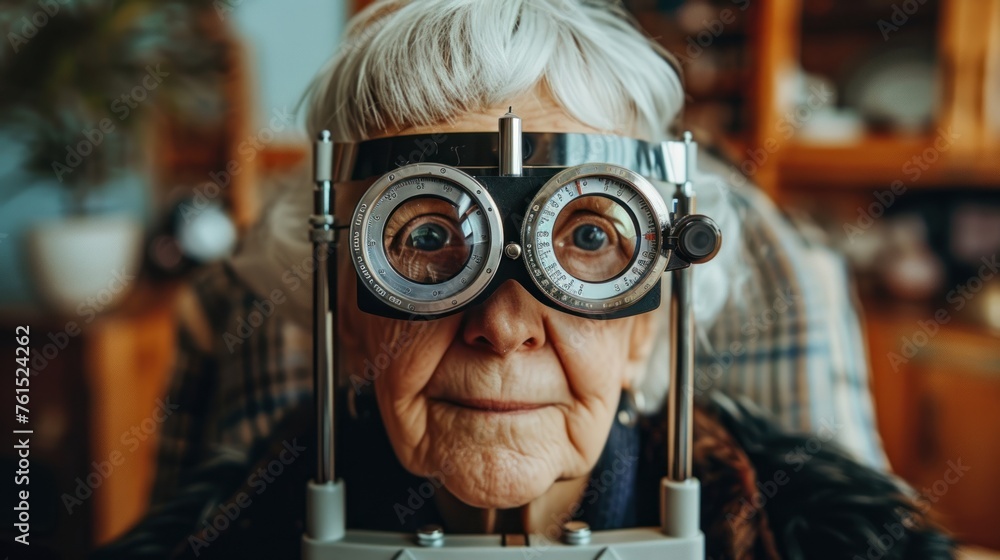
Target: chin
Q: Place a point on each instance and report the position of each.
(497, 478)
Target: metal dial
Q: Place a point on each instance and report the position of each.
(426, 238)
(593, 238)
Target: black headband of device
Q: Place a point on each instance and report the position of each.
(476, 153)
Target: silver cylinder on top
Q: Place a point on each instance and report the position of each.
(511, 157)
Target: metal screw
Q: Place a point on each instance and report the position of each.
(512, 250)
(430, 535)
(576, 532)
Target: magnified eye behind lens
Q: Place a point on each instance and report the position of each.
(589, 237)
(424, 239)
(428, 237)
(594, 238)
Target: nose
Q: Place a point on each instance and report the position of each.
(510, 320)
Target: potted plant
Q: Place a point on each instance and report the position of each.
(82, 84)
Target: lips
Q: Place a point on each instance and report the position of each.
(494, 406)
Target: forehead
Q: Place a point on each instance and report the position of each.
(538, 109)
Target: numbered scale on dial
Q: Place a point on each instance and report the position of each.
(593, 238)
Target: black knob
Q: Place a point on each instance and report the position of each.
(698, 238)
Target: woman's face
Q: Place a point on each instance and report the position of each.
(504, 399)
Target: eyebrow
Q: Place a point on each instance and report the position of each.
(602, 206)
(429, 206)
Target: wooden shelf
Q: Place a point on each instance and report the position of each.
(129, 360)
(935, 408)
(965, 36)
(879, 161)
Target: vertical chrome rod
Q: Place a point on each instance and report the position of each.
(680, 427)
(323, 237)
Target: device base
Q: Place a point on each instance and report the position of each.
(625, 544)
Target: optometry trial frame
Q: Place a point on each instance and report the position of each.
(447, 223)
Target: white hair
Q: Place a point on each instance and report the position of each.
(405, 63)
(410, 63)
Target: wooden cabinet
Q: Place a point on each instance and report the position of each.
(128, 360)
(937, 401)
(966, 37)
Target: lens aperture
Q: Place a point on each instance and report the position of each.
(428, 239)
(594, 238)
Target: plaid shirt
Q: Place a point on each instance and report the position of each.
(788, 338)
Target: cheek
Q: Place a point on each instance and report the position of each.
(397, 360)
(397, 356)
(404, 355)
(407, 352)
(595, 355)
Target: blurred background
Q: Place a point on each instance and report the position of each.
(137, 136)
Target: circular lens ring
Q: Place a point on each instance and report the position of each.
(622, 290)
(629, 286)
(367, 233)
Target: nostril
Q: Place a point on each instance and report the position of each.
(485, 342)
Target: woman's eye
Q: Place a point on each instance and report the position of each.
(592, 247)
(589, 237)
(428, 237)
(426, 240)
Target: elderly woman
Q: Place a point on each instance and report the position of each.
(510, 414)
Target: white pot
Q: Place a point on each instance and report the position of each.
(84, 266)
